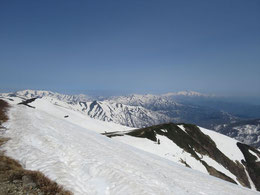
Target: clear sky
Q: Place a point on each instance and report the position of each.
(131, 46)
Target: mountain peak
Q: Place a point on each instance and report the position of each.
(28, 93)
(186, 93)
(32, 93)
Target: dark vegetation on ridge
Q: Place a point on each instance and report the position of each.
(14, 179)
(195, 142)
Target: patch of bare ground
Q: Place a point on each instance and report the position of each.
(3, 109)
(15, 180)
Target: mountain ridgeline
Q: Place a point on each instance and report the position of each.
(197, 144)
(132, 116)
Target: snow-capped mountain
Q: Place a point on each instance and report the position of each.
(132, 116)
(40, 93)
(65, 144)
(247, 131)
(187, 94)
(177, 112)
(148, 101)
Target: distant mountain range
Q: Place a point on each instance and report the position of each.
(145, 110)
(178, 112)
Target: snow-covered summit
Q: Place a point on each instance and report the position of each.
(59, 96)
(186, 93)
(132, 116)
(146, 101)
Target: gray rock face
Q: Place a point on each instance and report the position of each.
(28, 183)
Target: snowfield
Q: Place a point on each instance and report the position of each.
(71, 152)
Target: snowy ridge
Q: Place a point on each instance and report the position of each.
(85, 162)
(41, 93)
(132, 116)
(147, 101)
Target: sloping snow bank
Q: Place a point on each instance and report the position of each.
(225, 144)
(60, 109)
(88, 163)
(166, 149)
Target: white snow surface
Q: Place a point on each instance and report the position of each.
(85, 162)
(61, 109)
(225, 144)
(166, 149)
(169, 150)
(42, 93)
(182, 128)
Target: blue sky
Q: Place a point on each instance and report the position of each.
(131, 46)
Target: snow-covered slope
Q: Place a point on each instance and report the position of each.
(132, 116)
(69, 151)
(40, 93)
(199, 149)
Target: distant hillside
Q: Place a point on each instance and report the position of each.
(247, 131)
